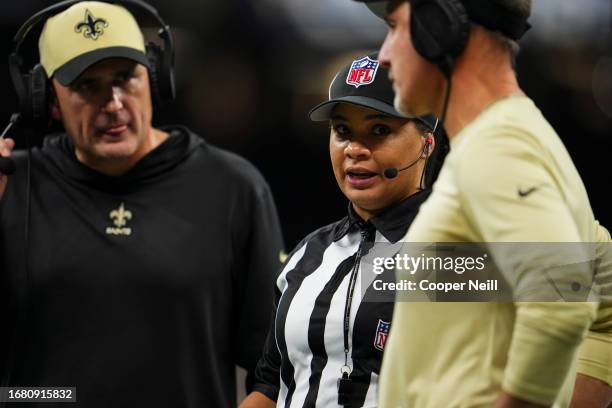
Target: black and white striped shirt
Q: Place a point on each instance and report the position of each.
(304, 351)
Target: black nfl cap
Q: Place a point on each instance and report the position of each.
(364, 82)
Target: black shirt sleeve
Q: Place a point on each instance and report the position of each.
(267, 372)
(257, 268)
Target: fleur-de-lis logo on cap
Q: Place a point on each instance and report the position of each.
(120, 216)
(92, 27)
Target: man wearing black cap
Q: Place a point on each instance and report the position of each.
(508, 178)
(136, 262)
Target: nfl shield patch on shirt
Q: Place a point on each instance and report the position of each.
(382, 331)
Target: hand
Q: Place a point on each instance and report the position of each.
(506, 400)
(6, 147)
(591, 392)
(257, 400)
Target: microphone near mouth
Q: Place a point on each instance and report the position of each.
(392, 172)
(7, 165)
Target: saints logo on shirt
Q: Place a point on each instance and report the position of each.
(120, 218)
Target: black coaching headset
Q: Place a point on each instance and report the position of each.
(440, 28)
(31, 86)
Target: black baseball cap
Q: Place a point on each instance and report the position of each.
(86, 33)
(364, 82)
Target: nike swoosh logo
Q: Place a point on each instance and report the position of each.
(525, 193)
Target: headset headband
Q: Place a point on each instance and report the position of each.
(494, 16)
(163, 33)
(30, 84)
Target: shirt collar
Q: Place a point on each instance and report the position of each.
(392, 223)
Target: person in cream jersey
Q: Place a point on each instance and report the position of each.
(507, 178)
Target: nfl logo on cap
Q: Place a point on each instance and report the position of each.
(362, 72)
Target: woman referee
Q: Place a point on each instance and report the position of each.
(326, 343)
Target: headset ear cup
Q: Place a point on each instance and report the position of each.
(169, 86)
(153, 56)
(20, 82)
(423, 41)
(38, 96)
(440, 30)
(161, 76)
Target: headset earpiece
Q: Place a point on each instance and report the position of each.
(166, 84)
(426, 147)
(153, 56)
(38, 96)
(31, 89)
(161, 73)
(440, 30)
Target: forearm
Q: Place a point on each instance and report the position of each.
(595, 356)
(257, 400)
(506, 400)
(591, 392)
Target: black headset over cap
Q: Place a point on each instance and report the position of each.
(440, 28)
(31, 85)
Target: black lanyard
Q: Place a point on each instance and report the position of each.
(345, 386)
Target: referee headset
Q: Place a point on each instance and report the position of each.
(31, 85)
(392, 172)
(31, 88)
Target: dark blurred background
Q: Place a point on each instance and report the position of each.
(248, 71)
